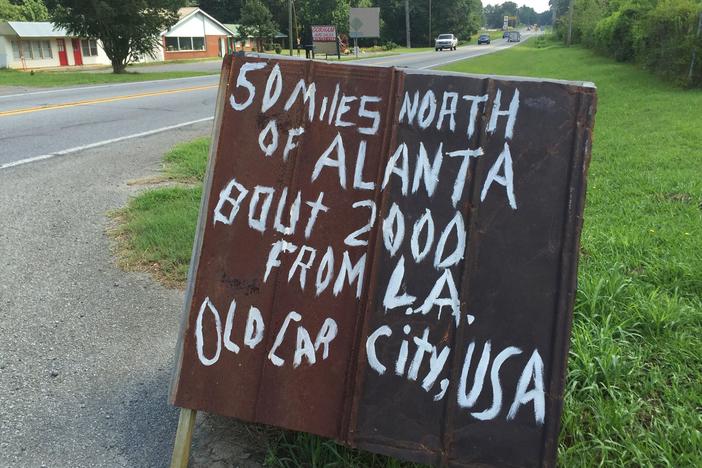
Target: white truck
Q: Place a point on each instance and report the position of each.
(446, 41)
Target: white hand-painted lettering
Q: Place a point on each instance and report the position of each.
(369, 114)
(358, 182)
(448, 108)
(473, 113)
(371, 354)
(428, 172)
(291, 317)
(350, 272)
(228, 343)
(326, 335)
(271, 129)
(274, 86)
(308, 96)
(403, 171)
(393, 229)
(253, 333)
(242, 81)
(510, 113)
(302, 265)
(494, 410)
(353, 238)
(425, 220)
(504, 160)
(290, 144)
(325, 272)
(343, 109)
(393, 298)
(455, 225)
(337, 146)
(294, 213)
(199, 337)
(259, 223)
(534, 370)
(461, 175)
(225, 197)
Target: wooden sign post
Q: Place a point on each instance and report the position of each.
(388, 258)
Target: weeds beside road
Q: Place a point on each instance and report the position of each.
(635, 371)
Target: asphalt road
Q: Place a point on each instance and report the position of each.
(43, 123)
(87, 349)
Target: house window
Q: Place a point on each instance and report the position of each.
(89, 46)
(16, 50)
(178, 44)
(36, 49)
(31, 50)
(46, 50)
(198, 43)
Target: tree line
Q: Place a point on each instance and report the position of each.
(460, 17)
(130, 29)
(494, 15)
(664, 36)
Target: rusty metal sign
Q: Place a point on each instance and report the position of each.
(388, 258)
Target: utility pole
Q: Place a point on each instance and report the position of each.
(290, 26)
(694, 50)
(407, 23)
(430, 38)
(570, 22)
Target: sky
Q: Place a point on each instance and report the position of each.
(539, 5)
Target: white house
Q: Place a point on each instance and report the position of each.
(26, 44)
(195, 35)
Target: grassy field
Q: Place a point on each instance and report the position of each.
(634, 384)
(46, 79)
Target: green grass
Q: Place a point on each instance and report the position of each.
(45, 79)
(634, 388)
(156, 229)
(187, 162)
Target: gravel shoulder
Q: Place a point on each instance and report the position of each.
(87, 349)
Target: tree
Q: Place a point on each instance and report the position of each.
(24, 10)
(9, 12)
(256, 22)
(34, 10)
(127, 29)
(226, 11)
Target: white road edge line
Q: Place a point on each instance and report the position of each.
(110, 85)
(100, 143)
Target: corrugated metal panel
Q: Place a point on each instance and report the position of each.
(450, 387)
(26, 29)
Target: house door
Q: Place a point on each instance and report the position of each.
(221, 47)
(63, 58)
(77, 54)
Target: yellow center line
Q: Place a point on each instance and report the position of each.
(88, 102)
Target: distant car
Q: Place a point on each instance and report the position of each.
(483, 39)
(505, 35)
(446, 41)
(514, 36)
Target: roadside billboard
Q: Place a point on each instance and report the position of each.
(324, 33)
(364, 22)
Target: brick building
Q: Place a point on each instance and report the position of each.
(196, 35)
